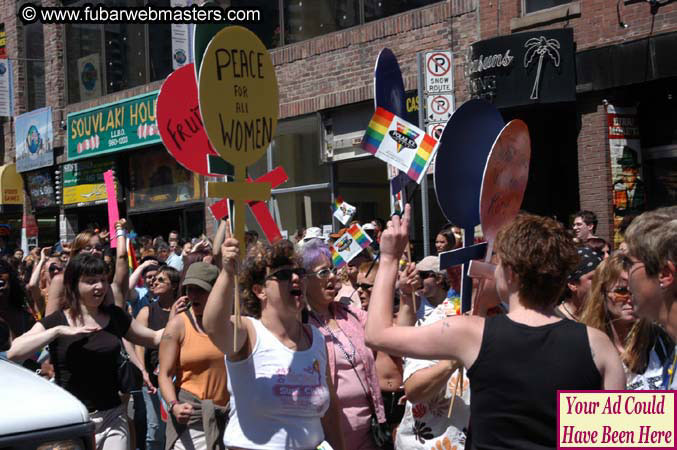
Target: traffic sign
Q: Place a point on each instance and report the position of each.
(439, 107)
(435, 129)
(439, 72)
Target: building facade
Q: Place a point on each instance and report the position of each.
(609, 63)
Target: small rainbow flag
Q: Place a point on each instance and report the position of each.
(422, 156)
(132, 261)
(336, 259)
(359, 236)
(377, 129)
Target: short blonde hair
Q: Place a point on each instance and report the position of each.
(652, 238)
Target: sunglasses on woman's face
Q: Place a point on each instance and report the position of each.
(286, 274)
(160, 280)
(324, 273)
(620, 294)
(89, 248)
(55, 268)
(365, 286)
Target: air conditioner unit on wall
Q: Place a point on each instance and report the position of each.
(341, 147)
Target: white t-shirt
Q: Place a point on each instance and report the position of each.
(425, 425)
(277, 395)
(651, 379)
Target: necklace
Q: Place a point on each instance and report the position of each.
(325, 326)
(573, 317)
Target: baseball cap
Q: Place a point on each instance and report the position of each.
(202, 275)
(313, 233)
(429, 264)
(368, 227)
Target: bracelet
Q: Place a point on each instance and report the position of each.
(171, 406)
(120, 233)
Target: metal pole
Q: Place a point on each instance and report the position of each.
(424, 182)
(466, 281)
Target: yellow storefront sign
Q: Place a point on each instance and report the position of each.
(11, 186)
(84, 193)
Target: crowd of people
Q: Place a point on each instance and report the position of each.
(376, 354)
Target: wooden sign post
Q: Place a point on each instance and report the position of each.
(239, 104)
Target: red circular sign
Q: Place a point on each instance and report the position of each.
(180, 122)
(436, 131)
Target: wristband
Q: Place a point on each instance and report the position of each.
(120, 233)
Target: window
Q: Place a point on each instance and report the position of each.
(34, 49)
(537, 5)
(307, 19)
(377, 9)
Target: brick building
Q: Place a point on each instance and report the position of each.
(324, 54)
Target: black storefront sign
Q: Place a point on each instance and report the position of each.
(40, 187)
(523, 69)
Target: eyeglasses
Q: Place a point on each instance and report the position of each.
(89, 248)
(620, 295)
(426, 274)
(286, 274)
(161, 280)
(365, 286)
(324, 273)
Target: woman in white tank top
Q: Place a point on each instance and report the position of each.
(281, 396)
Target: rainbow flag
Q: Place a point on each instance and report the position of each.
(423, 154)
(132, 261)
(336, 259)
(359, 236)
(377, 129)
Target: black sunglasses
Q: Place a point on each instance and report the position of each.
(286, 274)
(426, 274)
(364, 286)
(55, 268)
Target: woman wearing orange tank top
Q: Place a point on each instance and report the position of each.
(197, 398)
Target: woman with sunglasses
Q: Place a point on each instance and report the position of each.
(513, 398)
(84, 340)
(281, 394)
(351, 363)
(165, 290)
(643, 347)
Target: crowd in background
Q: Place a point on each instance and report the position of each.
(144, 334)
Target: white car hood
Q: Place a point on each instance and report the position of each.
(28, 402)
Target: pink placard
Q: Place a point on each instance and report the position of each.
(113, 213)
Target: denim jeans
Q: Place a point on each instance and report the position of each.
(155, 427)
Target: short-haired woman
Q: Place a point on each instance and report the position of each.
(513, 399)
(351, 363)
(281, 392)
(84, 343)
(652, 272)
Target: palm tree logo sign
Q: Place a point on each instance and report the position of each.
(540, 46)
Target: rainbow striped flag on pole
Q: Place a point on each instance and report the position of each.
(349, 245)
(399, 143)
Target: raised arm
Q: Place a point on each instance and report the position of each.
(120, 284)
(134, 278)
(37, 337)
(218, 241)
(452, 338)
(34, 282)
(409, 282)
(217, 320)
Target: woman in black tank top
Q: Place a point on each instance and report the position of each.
(516, 362)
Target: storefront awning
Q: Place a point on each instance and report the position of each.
(11, 186)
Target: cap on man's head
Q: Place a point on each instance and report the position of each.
(202, 275)
(368, 227)
(429, 264)
(589, 260)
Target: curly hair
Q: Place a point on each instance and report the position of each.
(260, 261)
(541, 254)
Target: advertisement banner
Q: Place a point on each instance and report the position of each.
(34, 139)
(6, 90)
(157, 179)
(83, 182)
(113, 127)
(182, 38)
(40, 187)
(89, 76)
(629, 192)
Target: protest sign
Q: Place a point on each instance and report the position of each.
(180, 122)
(113, 213)
(388, 84)
(399, 143)
(349, 245)
(343, 211)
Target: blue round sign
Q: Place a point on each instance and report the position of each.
(461, 157)
(388, 84)
(33, 140)
(89, 76)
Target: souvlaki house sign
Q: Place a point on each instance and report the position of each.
(523, 68)
(113, 127)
